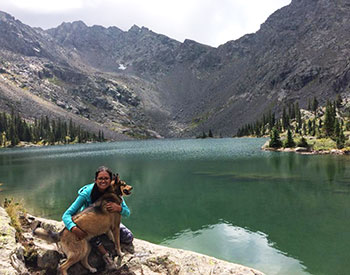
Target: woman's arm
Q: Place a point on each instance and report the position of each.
(125, 210)
(72, 210)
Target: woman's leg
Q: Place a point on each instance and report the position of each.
(126, 235)
(97, 243)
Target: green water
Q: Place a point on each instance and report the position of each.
(281, 213)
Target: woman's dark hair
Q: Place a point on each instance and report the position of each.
(103, 168)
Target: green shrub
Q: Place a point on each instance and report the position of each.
(303, 143)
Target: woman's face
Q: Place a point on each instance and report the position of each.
(103, 181)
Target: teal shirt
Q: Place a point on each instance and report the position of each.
(81, 202)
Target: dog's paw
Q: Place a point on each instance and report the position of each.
(119, 253)
(93, 270)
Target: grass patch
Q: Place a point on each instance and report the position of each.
(199, 120)
(13, 209)
(56, 81)
(322, 144)
(136, 135)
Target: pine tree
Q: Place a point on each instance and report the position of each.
(71, 130)
(2, 126)
(275, 141)
(272, 120)
(320, 124)
(336, 128)
(4, 121)
(329, 120)
(289, 142)
(13, 135)
(347, 126)
(285, 119)
(46, 124)
(303, 143)
(58, 131)
(298, 115)
(314, 105)
(309, 127)
(340, 140)
(304, 129)
(265, 120)
(257, 129)
(27, 135)
(52, 135)
(338, 101)
(278, 125)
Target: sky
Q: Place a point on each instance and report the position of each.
(211, 22)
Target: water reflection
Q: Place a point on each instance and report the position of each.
(330, 170)
(233, 242)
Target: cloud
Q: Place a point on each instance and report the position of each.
(44, 6)
(209, 22)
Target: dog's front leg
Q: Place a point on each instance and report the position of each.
(116, 234)
(111, 235)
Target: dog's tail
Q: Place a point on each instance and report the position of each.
(47, 235)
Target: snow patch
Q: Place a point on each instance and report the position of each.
(122, 67)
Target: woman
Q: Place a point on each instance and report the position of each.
(87, 195)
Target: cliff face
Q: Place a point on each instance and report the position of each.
(301, 51)
(181, 89)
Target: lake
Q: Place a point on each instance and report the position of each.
(281, 213)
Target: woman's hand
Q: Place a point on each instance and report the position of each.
(80, 234)
(113, 207)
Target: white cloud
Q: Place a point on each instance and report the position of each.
(206, 21)
(45, 6)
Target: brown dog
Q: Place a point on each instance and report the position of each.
(94, 220)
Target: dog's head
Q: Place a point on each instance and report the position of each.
(120, 187)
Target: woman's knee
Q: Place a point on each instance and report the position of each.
(126, 235)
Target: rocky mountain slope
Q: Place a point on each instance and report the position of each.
(141, 83)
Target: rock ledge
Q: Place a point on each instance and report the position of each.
(142, 258)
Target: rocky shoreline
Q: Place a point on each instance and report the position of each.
(306, 151)
(34, 256)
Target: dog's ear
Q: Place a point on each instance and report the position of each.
(117, 179)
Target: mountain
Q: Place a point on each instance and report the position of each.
(39, 77)
(145, 84)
